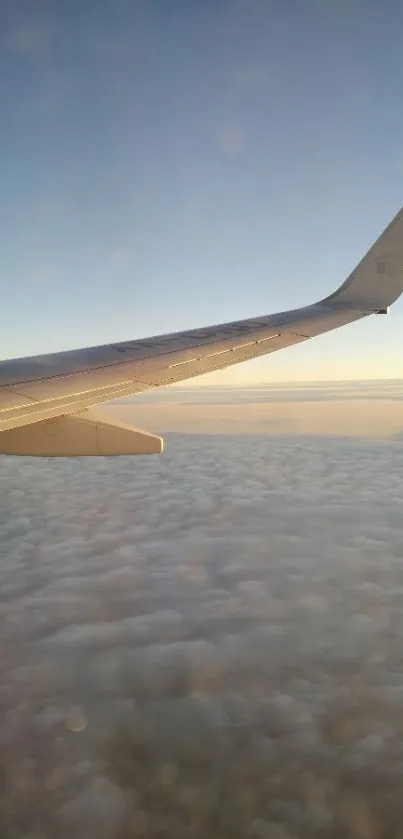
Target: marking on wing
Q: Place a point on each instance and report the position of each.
(139, 366)
(165, 345)
(79, 402)
(155, 371)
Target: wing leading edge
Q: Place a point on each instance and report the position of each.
(38, 391)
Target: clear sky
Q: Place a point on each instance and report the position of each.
(168, 164)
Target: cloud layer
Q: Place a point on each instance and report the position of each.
(359, 409)
(203, 644)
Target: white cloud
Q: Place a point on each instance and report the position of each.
(227, 621)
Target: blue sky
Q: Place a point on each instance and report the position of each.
(172, 163)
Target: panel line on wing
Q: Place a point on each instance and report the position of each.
(228, 350)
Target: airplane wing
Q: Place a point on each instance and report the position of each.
(48, 403)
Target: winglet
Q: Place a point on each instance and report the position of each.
(377, 281)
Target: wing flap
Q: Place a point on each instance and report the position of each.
(86, 435)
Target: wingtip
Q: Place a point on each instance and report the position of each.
(377, 281)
